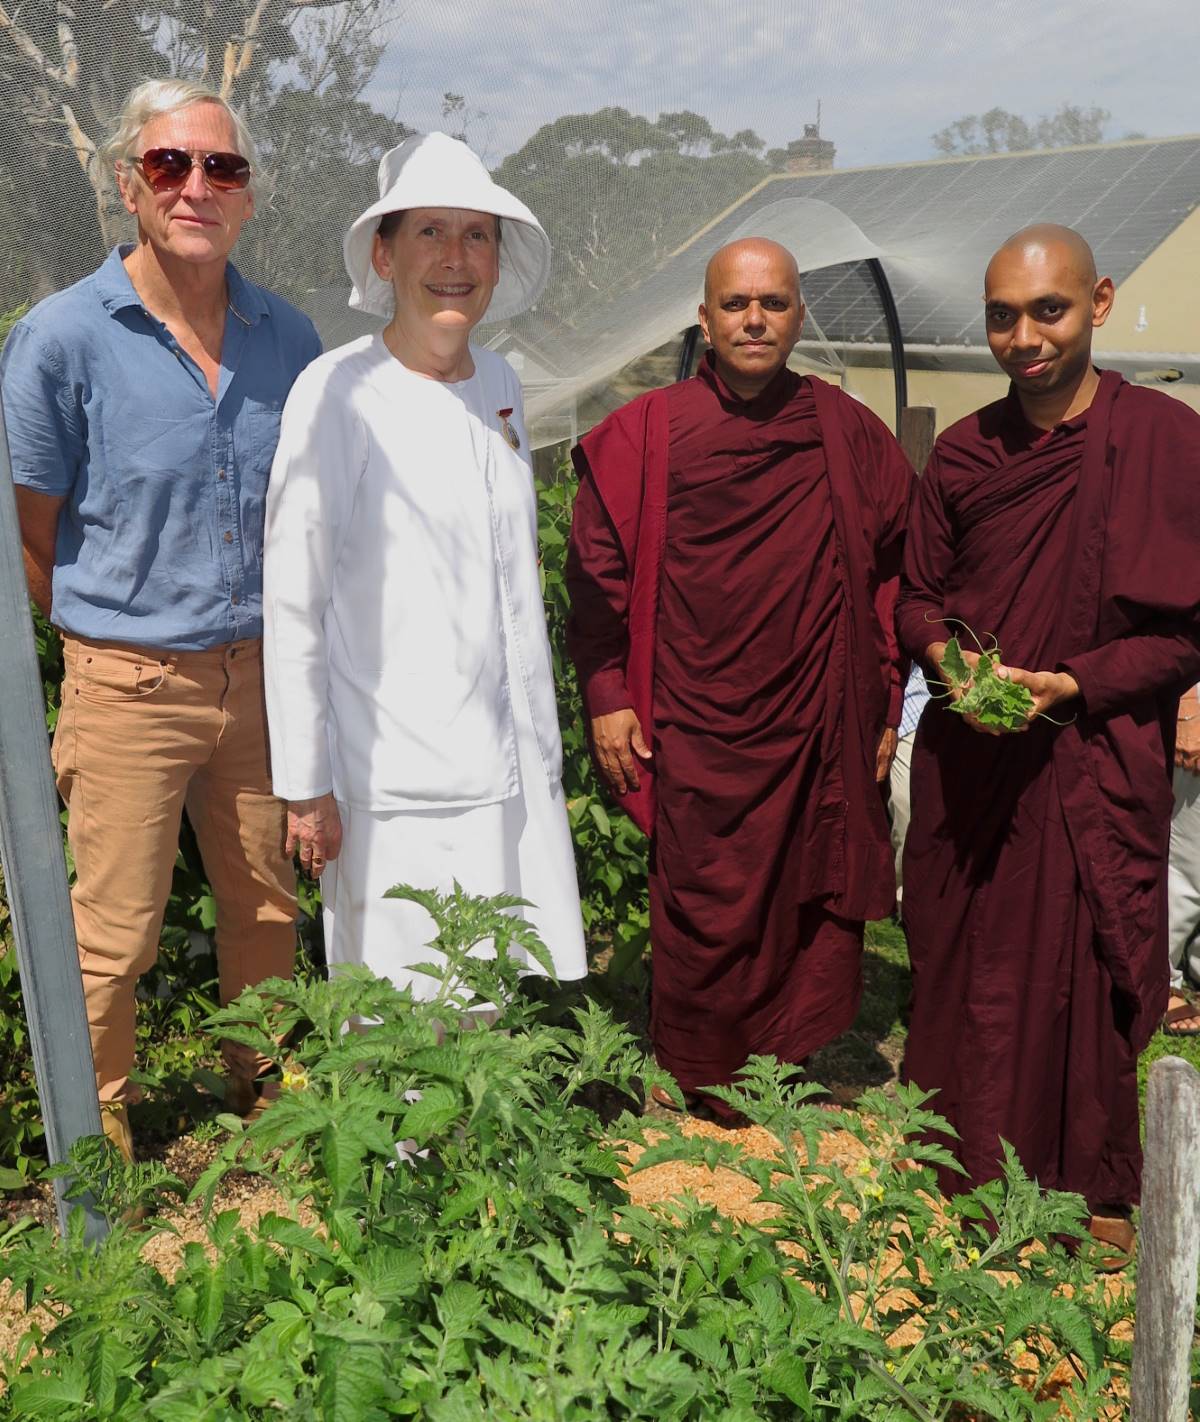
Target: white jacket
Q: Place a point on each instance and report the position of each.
(399, 523)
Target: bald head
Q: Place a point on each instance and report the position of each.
(1042, 303)
(752, 312)
(1047, 245)
(733, 264)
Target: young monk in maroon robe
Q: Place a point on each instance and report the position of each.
(1064, 521)
(733, 569)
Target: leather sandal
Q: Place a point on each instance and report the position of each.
(660, 1097)
(249, 1096)
(1117, 1232)
(1186, 1011)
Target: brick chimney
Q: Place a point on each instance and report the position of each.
(810, 154)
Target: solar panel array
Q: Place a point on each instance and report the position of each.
(1125, 198)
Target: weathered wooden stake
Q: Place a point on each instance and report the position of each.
(918, 429)
(35, 871)
(1168, 1245)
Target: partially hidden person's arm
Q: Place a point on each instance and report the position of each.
(38, 515)
(1187, 732)
(598, 636)
(318, 462)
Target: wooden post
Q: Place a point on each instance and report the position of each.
(35, 873)
(1169, 1245)
(918, 429)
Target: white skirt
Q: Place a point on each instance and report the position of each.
(519, 846)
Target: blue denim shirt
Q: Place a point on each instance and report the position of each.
(161, 536)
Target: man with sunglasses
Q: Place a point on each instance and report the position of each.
(142, 407)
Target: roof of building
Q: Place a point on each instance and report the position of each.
(1125, 198)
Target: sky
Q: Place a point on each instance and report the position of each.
(887, 74)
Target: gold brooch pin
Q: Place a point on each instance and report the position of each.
(507, 430)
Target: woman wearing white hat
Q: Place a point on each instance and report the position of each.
(410, 694)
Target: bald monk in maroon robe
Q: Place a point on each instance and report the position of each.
(733, 569)
(1064, 521)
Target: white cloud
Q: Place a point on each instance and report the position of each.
(888, 74)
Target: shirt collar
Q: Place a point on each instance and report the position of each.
(116, 290)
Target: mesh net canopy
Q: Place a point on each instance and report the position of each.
(872, 137)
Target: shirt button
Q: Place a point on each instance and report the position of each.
(220, 473)
(228, 536)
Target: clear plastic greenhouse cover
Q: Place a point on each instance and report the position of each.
(645, 133)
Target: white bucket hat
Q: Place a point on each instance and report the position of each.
(435, 170)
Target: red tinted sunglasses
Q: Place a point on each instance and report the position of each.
(167, 168)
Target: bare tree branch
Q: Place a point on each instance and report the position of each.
(66, 42)
(25, 46)
(85, 149)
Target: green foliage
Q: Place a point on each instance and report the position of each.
(455, 1243)
(677, 167)
(999, 131)
(987, 698)
(8, 319)
(610, 850)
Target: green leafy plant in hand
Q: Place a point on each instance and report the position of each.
(991, 700)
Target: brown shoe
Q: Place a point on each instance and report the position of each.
(249, 1096)
(114, 1119)
(1117, 1232)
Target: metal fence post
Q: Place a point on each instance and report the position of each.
(1169, 1245)
(35, 871)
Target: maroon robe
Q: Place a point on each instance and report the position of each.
(733, 572)
(1035, 864)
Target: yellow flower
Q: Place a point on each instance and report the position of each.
(294, 1078)
(972, 1255)
(863, 1166)
(875, 1191)
(890, 1366)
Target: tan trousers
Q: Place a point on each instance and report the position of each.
(141, 735)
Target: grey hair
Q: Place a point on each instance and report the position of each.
(166, 96)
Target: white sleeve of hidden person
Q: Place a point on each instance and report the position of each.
(308, 501)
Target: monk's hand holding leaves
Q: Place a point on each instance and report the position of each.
(886, 753)
(1047, 690)
(619, 742)
(314, 831)
(955, 667)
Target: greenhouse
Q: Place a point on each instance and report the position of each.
(456, 1187)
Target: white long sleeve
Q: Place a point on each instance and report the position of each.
(320, 458)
